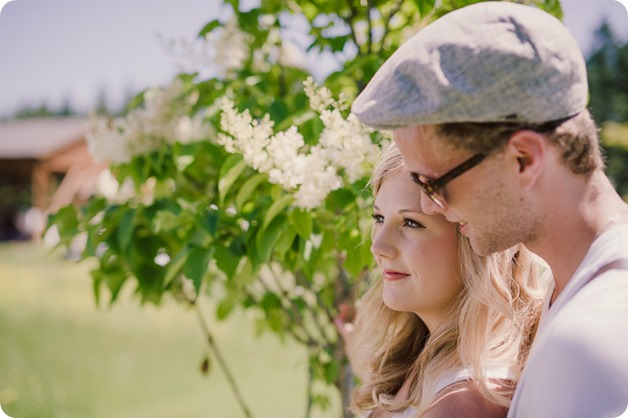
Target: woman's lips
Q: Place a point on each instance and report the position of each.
(392, 275)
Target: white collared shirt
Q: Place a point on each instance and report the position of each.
(578, 365)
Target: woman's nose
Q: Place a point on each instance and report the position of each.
(382, 245)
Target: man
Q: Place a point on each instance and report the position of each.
(488, 108)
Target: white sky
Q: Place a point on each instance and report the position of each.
(52, 51)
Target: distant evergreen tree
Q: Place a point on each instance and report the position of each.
(101, 107)
(608, 82)
(66, 108)
(41, 111)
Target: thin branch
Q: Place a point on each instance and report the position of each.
(314, 315)
(310, 392)
(306, 340)
(301, 280)
(349, 21)
(369, 5)
(310, 341)
(221, 362)
(392, 13)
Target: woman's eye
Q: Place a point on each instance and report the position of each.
(378, 218)
(412, 223)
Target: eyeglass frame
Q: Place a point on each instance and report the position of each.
(430, 187)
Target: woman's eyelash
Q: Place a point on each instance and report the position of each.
(412, 223)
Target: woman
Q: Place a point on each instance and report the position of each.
(443, 332)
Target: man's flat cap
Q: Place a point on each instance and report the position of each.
(488, 62)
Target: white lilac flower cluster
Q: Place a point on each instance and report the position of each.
(216, 54)
(209, 57)
(164, 118)
(344, 152)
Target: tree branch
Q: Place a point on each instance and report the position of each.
(392, 13)
(221, 361)
(294, 308)
(369, 5)
(300, 280)
(296, 319)
(353, 13)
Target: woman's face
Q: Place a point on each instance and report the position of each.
(417, 253)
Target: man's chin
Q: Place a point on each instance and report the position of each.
(484, 247)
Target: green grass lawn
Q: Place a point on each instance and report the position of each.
(61, 356)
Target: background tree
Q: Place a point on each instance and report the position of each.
(243, 185)
(607, 67)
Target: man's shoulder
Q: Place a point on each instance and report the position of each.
(599, 308)
(589, 334)
(578, 364)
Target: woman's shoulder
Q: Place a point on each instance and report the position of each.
(463, 399)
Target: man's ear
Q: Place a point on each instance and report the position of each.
(529, 149)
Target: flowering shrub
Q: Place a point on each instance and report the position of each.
(247, 189)
(163, 118)
(344, 147)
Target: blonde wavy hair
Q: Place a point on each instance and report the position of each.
(491, 322)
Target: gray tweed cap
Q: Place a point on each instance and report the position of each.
(488, 62)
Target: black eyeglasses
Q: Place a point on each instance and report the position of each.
(433, 188)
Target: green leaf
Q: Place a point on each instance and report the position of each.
(270, 301)
(551, 6)
(341, 198)
(226, 260)
(164, 220)
(337, 44)
(285, 240)
(247, 189)
(91, 245)
(309, 10)
(367, 256)
(136, 101)
(210, 222)
(209, 27)
(141, 261)
(425, 6)
(274, 210)
(196, 265)
(111, 274)
(66, 220)
(176, 264)
(229, 173)
(278, 110)
(249, 22)
(125, 230)
(267, 237)
(331, 372)
(234, 3)
(225, 308)
(354, 262)
(302, 221)
(297, 119)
